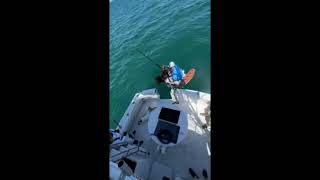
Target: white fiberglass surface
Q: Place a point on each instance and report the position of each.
(193, 152)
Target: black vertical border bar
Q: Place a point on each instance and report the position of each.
(103, 81)
(216, 88)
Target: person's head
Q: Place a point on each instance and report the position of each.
(171, 64)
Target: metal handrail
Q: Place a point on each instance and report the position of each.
(128, 150)
(136, 152)
(132, 153)
(125, 151)
(118, 144)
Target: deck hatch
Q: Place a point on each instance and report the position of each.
(169, 115)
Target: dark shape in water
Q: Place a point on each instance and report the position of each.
(159, 80)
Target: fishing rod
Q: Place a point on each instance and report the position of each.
(163, 69)
(149, 59)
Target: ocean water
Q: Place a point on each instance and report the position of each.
(165, 30)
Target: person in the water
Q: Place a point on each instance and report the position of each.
(176, 75)
(172, 75)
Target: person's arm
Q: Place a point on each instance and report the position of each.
(171, 79)
(169, 72)
(176, 83)
(173, 83)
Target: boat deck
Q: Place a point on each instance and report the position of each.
(192, 152)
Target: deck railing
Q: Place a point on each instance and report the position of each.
(129, 154)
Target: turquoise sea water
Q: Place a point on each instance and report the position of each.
(165, 30)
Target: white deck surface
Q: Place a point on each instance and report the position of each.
(193, 152)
